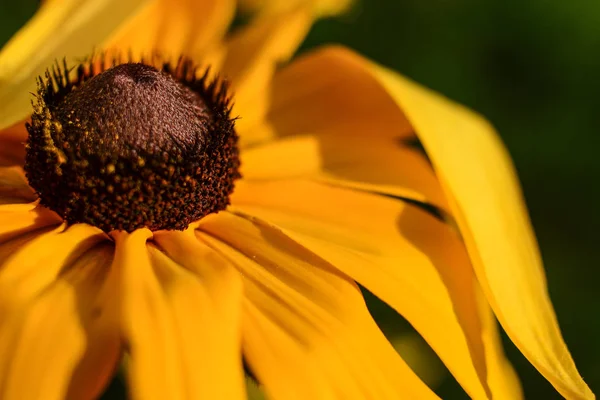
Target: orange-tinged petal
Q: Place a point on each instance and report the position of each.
(69, 29)
(174, 28)
(319, 93)
(18, 219)
(158, 303)
(37, 262)
(251, 55)
(306, 330)
(375, 164)
(408, 258)
(319, 7)
(486, 200)
(148, 328)
(60, 345)
(205, 295)
(14, 187)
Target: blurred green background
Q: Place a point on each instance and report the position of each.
(533, 69)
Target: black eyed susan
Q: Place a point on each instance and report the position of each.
(136, 225)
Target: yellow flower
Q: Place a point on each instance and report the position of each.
(330, 197)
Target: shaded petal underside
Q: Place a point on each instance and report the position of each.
(482, 187)
(306, 330)
(164, 313)
(382, 165)
(51, 311)
(408, 258)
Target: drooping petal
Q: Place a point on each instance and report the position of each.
(206, 304)
(306, 330)
(480, 181)
(316, 94)
(35, 263)
(60, 344)
(173, 28)
(408, 258)
(375, 164)
(69, 29)
(330, 123)
(251, 55)
(162, 306)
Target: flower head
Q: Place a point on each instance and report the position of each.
(135, 225)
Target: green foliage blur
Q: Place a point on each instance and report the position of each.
(532, 67)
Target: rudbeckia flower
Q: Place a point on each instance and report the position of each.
(147, 215)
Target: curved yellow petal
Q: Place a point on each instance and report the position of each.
(306, 330)
(408, 258)
(69, 29)
(319, 7)
(480, 181)
(14, 187)
(35, 263)
(161, 306)
(383, 165)
(319, 94)
(205, 295)
(173, 28)
(19, 219)
(59, 345)
(250, 56)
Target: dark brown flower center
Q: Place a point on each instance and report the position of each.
(134, 146)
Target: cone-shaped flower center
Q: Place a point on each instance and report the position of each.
(132, 147)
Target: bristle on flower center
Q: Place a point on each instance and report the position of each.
(133, 146)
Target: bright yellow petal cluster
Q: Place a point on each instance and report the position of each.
(330, 198)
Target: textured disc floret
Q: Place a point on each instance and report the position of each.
(132, 145)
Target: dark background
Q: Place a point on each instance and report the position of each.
(532, 68)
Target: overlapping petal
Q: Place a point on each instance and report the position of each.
(408, 258)
(50, 310)
(383, 165)
(13, 186)
(68, 29)
(173, 28)
(250, 56)
(306, 330)
(477, 178)
(33, 265)
(480, 181)
(154, 299)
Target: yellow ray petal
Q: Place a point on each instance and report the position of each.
(205, 295)
(320, 7)
(14, 187)
(306, 330)
(482, 186)
(251, 55)
(156, 323)
(173, 28)
(69, 28)
(20, 219)
(408, 258)
(59, 345)
(319, 93)
(35, 264)
(375, 164)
